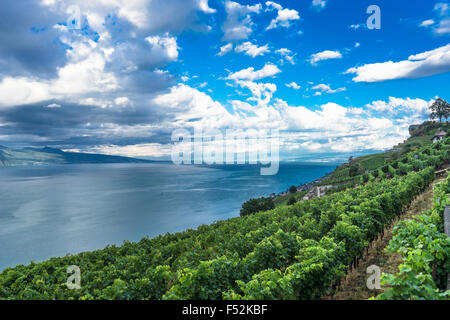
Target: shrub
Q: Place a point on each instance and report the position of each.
(256, 205)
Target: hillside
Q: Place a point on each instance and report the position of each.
(46, 156)
(420, 136)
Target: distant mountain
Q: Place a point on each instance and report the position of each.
(47, 156)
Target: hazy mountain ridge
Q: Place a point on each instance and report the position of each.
(46, 156)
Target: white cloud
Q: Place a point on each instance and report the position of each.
(440, 25)
(225, 49)
(53, 105)
(191, 107)
(273, 6)
(427, 23)
(262, 93)
(417, 66)
(269, 70)
(442, 8)
(147, 15)
(319, 4)
(287, 55)
(238, 24)
(284, 16)
(136, 150)
(252, 50)
(321, 88)
(324, 55)
(444, 27)
(203, 5)
(397, 105)
(122, 101)
(357, 44)
(164, 46)
(293, 85)
(15, 91)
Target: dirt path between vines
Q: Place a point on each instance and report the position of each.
(354, 287)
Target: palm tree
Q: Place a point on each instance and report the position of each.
(440, 109)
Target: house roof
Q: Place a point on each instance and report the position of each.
(440, 133)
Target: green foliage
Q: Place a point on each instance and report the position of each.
(426, 255)
(440, 109)
(256, 205)
(353, 170)
(291, 201)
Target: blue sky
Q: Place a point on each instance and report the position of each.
(137, 71)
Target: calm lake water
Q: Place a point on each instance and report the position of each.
(55, 210)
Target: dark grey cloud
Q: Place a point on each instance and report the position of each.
(75, 125)
(28, 42)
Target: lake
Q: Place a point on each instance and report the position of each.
(54, 210)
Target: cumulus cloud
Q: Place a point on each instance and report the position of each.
(398, 105)
(325, 88)
(287, 55)
(442, 8)
(190, 107)
(320, 4)
(417, 66)
(252, 50)
(284, 16)
(273, 6)
(238, 24)
(427, 23)
(262, 93)
(441, 24)
(269, 70)
(225, 49)
(293, 85)
(444, 27)
(324, 55)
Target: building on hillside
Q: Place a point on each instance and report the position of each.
(440, 135)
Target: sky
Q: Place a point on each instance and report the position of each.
(119, 77)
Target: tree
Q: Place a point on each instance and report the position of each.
(353, 171)
(257, 205)
(293, 189)
(440, 109)
(291, 201)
